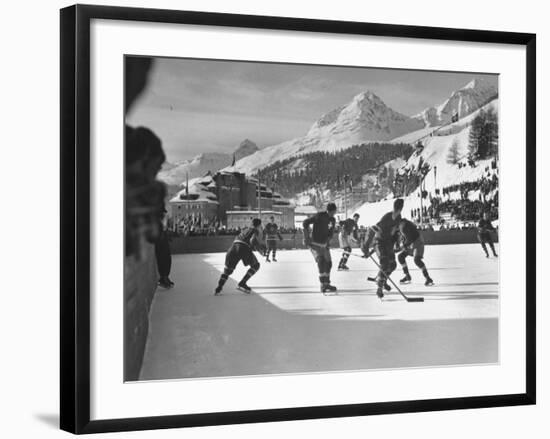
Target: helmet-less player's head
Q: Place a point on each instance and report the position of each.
(398, 207)
(256, 223)
(272, 218)
(356, 217)
(331, 209)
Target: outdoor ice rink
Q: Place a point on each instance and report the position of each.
(288, 326)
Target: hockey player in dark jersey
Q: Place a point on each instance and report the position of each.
(484, 229)
(271, 231)
(318, 241)
(242, 250)
(384, 240)
(413, 245)
(347, 236)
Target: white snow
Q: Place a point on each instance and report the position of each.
(288, 326)
(442, 173)
(365, 119)
(462, 102)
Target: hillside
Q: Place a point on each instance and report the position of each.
(442, 179)
(365, 119)
(173, 174)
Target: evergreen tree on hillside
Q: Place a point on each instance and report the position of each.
(474, 139)
(491, 125)
(483, 139)
(453, 157)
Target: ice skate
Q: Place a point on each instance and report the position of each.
(328, 288)
(407, 279)
(217, 291)
(242, 286)
(429, 282)
(165, 283)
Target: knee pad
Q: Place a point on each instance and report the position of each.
(392, 266)
(347, 249)
(227, 271)
(328, 265)
(255, 266)
(401, 257)
(418, 261)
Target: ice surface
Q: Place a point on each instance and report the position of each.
(288, 326)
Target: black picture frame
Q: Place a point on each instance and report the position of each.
(75, 217)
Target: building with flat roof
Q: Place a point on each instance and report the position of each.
(214, 196)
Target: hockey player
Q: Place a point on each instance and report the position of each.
(368, 248)
(242, 250)
(272, 233)
(413, 245)
(384, 240)
(347, 236)
(318, 242)
(484, 229)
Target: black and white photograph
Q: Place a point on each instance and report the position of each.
(296, 218)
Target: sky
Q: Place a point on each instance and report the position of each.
(198, 106)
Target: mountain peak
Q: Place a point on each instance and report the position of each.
(476, 83)
(462, 102)
(246, 147)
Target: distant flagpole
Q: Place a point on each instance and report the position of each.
(187, 184)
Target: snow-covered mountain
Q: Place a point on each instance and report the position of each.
(176, 173)
(442, 173)
(365, 119)
(462, 102)
(246, 148)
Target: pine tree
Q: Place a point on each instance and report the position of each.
(453, 156)
(492, 132)
(475, 139)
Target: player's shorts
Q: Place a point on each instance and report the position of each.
(320, 253)
(240, 252)
(416, 249)
(271, 244)
(344, 240)
(485, 237)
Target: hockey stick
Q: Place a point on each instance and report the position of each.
(408, 299)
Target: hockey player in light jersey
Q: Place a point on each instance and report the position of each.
(348, 236)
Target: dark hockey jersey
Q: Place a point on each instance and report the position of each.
(484, 226)
(409, 232)
(323, 227)
(386, 228)
(272, 232)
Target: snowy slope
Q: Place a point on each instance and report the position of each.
(447, 128)
(365, 119)
(176, 173)
(469, 98)
(442, 173)
(196, 167)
